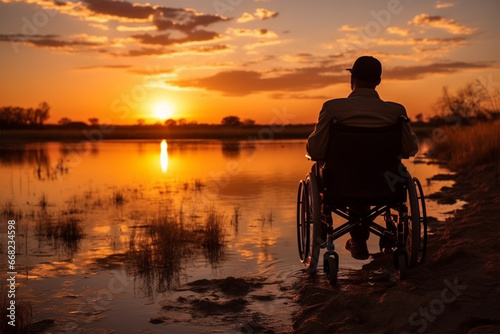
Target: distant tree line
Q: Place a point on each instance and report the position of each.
(229, 121)
(18, 117)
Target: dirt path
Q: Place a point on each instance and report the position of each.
(456, 291)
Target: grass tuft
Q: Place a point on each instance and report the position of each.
(118, 197)
(43, 202)
(470, 146)
(23, 313)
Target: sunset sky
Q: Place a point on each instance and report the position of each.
(206, 59)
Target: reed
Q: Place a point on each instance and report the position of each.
(24, 314)
(470, 146)
(43, 202)
(156, 253)
(9, 211)
(214, 231)
(118, 197)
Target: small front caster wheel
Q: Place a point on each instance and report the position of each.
(331, 267)
(400, 263)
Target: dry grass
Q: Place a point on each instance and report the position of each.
(470, 146)
(118, 197)
(214, 236)
(160, 248)
(9, 211)
(24, 314)
(214, 232)
(156, 253)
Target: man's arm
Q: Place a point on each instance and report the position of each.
(317, 143)
(410, 141)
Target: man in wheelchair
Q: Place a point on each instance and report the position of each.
(366, 181)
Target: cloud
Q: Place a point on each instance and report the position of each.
(439, 22)
(119, 9)
(99, 26)
(162, 51)
(417, 72)
(416, 43)
(259, 14)
(440, 4)
(183, 19)
(166, 39)
(246, 17)
(240, 82)
(398, 31)
(104, 67)
(134, 29)
(71, 43)
(347, 28)
(245, 82)
(259, 33)
(145, 52)
(264, 14)
(261, 43)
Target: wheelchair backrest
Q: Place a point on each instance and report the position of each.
(361, 163)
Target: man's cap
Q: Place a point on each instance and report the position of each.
(366, 68)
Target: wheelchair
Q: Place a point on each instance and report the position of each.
(363, 167)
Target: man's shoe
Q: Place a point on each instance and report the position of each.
(358, 249)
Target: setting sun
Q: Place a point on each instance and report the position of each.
(163, 110)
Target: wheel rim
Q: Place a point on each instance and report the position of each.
(423, 221)
(413, 228)
(302, 222)
(313, 222)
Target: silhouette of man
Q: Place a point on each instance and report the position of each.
(362, 108)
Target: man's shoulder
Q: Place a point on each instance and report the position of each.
(395, 105)
(335, 101)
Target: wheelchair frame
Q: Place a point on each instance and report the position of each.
(405, 232)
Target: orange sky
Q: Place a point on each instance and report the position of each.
(271, 61)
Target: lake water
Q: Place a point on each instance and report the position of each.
(110, 192)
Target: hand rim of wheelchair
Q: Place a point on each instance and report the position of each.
(423, 221)
(302, 234)
(309, 222)
(416, 225)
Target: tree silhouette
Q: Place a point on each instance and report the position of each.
(170, 122)
(467, 103)
(18, 117)
(64, 121)
(42, 113)
(231, 121)
(94, 121)
(248, 122)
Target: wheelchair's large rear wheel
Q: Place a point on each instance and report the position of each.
(309, 222)
(413, 226)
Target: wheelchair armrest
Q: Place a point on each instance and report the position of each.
(311, 159)
(404, 118)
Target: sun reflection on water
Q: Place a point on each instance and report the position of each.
(164, 156)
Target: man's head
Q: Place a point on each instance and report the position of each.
(366, 72)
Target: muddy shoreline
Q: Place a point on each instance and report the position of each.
(456, 290)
